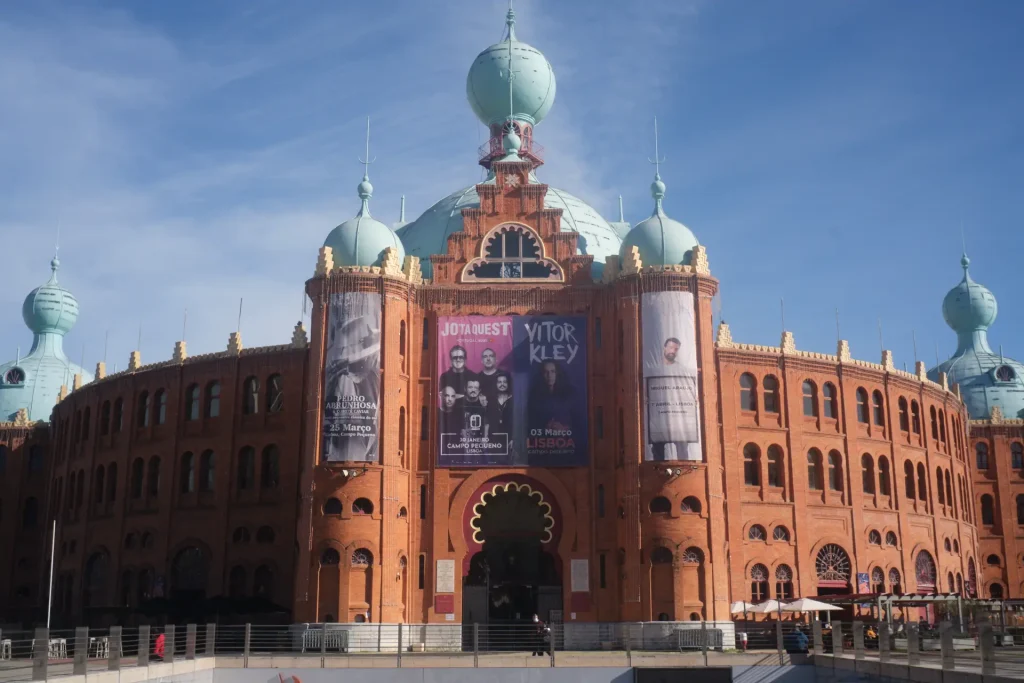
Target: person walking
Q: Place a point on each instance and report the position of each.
(158, 647)
(540, 630)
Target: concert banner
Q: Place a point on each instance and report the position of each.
(671, 401)
(512, 391)
(352, 378)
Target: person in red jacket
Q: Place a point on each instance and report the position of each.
(158, 647)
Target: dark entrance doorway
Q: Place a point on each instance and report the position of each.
(514, 575)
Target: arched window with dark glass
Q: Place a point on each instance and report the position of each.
(275, 393)
(835, 471)
(112, 482)
(138, 474)
(770, 386)
(935, 423)
(402, 340)
(1020, 509)
(942, 427)
(330, 557)
(895, 582)
(117, 421)
(153, 489)
(878, 408)
(783, 582)
(362, 506)
(246, 475)
(756, 532)
(862, 405)
(690, 504)
(600, 500)
(867, 464)
(332, 506)
(748, 392)
(105, 418)
(908, 480)
(890, 539)
(751, 465)
(939, 488)
(815, 481)
(1017, 455)
(915, 417)
(241, 535)
(877, 580)
(188, 473)
(143, 410)
(992, 560)
(988, 510)
(270, 468)
(925, 571)
(949, 490)
(660, 504)
(828, 392)
(922, 483)
(810, 392)
(207, 471)
(213, 399)
(995, 591)
(30, 513)
(776, 467)
(250, 396)
(98, 482)
(884, 486)
(758, 583)
(160, 407)
(874, 537)
(780, 534)
(263, 582)
(904, 415)
(192, 402)
(401, 429)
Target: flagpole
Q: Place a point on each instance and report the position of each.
(53, 552)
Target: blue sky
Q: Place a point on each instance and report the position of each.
(825, 152)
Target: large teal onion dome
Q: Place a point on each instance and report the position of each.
(661, 240)
(987, 379)
(533, 81)
(361, 241)
(33, 381)
(429, 233)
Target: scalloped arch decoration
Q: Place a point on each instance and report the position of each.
(507, 487)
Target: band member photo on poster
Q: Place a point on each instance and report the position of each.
(352, 378)
(672, 409)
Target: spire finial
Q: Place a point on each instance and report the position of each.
(657, 187)
(510, 22)
(622, 216)
(401, 213)
(365, 189)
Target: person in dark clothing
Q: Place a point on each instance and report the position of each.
(452, 417)
(542, 634)
(458, 374)
(795, 642)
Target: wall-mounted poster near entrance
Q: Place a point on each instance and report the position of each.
(512, 391)
(672, 410)
(352, 378)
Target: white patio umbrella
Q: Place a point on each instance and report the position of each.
(809, 605)
(739, 607)
(766, 607)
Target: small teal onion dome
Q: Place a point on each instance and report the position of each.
(533, 81)
(661, 240)
(50, 307)
(361, 241)
(987, 379)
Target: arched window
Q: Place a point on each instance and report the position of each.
(942, 427)
(959, 583)
(692, 556)
(86, 423)
(972, 578)
(815, 480)
(137, 476)
(951, 582)
(265, 534)
(147, 540)
(246, 476)
(748, 392)
(130, 541)
(512, 252)
(263, 582)
(935, 423)
(992, 560)
(192, 402)
(874, 537)
(862, 405)
(810, 399)
(401, 339)
(236, 583)
(776, 476)
(904, 415)
(213, 399)
(600, 500)
(915, 418)
(1017, 455)
(895, 584)
(105, 418)
(956, 546)
(878, 404)
(111, 482)
(690, 504)
(908, 479)
(1020, 509)
(751, 465)
(330, 557)
(362, 506)
(922, 483)
(160, 407)
(275, 394)
(207, 471)
(757, 533)
(949, 490)
(867, 464)
(770, 385)
(362, 558)
(832, 565)
(661, 555)
(117, 421)
(332, 506)
(97, 485)
(939, 489)
(143, 410)
(835, 471)
(250, 396)
(781, 534)
(890, 539)
(660, 504)
(241, 535)
(988, 513)
(189, 572)
(153, 489)
(995, 591)
(270, 468)
(188, 473)
(877, 580)
(947, 546)
(883, 476)
(924, 570)
(94, 581)
(30, 513)
(758, 583)
(783, 582)
(828, 392)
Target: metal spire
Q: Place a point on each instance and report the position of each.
(510, 22)
(367, 161)
(365, 188)
(622, 217)
(401, 213)
(657, 160)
